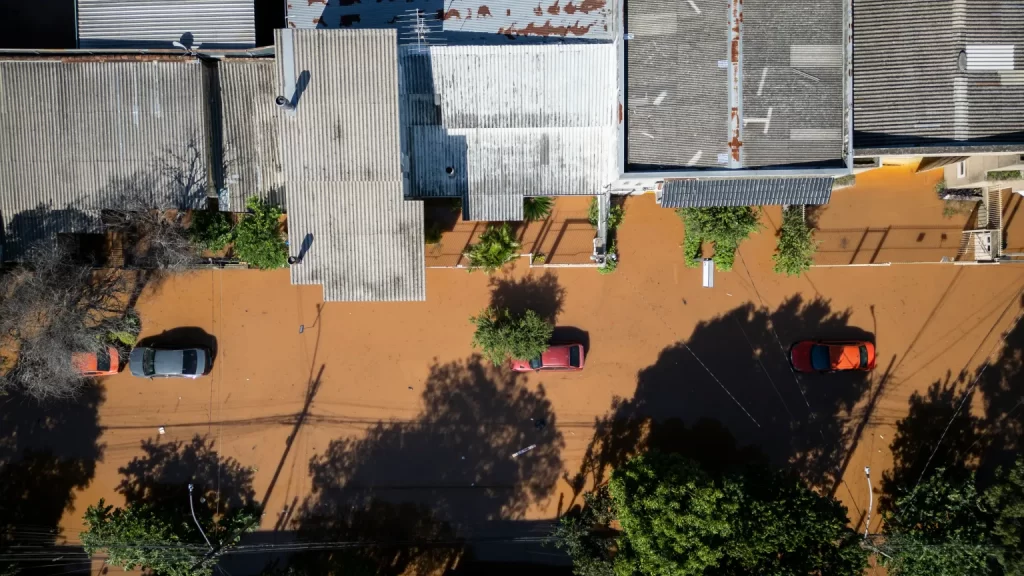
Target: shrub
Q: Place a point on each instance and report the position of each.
(1000, 175)
(502, 336)
(615, 215)
(611, 261)
(210, 230)
(537, 208)
(497, 245)
(539, 258)
(725, 226)
(126, 333)
(432, 233)
(843, 181)
(258, 238)
(940, 188)
(953, 208)
(796, 244)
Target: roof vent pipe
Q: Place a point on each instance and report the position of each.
(283, 102)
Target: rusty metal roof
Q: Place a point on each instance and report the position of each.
(465, 21)
(910, 92)
(157, 23)
(735, 84)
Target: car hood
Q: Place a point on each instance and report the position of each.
(135, 361)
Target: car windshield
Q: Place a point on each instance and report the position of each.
(820, 358)
(536, 364)
(102, 361)
(190, 359)
(863, 356)
(574, 356)
(148, 361)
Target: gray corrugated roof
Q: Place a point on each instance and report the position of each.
(510, 121)
(157, 23)
(74, 135)
(466, 21)
(791, 56)
(342, 164)
(250, 123)
(367, 241)
(909, 90)
(694, 193)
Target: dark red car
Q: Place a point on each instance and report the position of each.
(832, 356)
(563, 357)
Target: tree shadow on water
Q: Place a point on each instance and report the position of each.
(970, 423)
(734, 370)
(542, 294)
(162, 474)
(47, 452)
(416, 491)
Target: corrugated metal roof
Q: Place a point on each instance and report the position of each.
(367, 241)
(250, 122)
(694, 193)
(909, 89)
(74, 135)
(341, 156)
(465, 21)
(789, 59)
(157, 23)
(494, 124)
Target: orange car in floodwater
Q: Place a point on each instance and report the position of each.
(103, 363)
(832, 356)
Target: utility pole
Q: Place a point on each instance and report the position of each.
(871, 501)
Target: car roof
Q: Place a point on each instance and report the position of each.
(845, 356)
(168, 361)
(557, 356)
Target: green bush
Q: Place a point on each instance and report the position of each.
(796, 244)
(940, 188)
(725, 226)
(1001, 175)
(497, 245)
(537, 208)
(210, 230)
(502, 336)
(611, 261)
(125, 332)
(432, 233)
(258, 238)
(615, 214)
(848, 180)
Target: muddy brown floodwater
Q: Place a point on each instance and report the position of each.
(403, 411)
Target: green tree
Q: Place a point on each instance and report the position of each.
(537, 207)
(258, 238)
(615, 215)
(1006, 501)
(796, 246)
(938, 529)
(678, 519)
(502, 336)
(724, 226)
(141, 536)
(210, 230)
(585, 536)
(496, 246)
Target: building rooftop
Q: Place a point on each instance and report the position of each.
(342, 169)
(465, 21)
(750, 84)
(157, 23)
(492, 124)
(75, 135)
(939, 74)
(703, 193)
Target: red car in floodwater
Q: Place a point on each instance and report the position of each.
(832, 356)
(563, 357)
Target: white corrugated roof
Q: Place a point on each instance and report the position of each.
(74, 134)
(342, 165)
(157, 23)
(511, 121)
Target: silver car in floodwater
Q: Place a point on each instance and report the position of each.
(169, 363)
